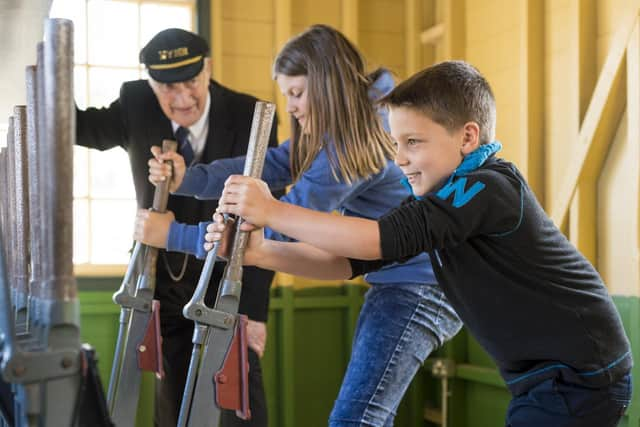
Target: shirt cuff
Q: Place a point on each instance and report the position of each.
(183, 238)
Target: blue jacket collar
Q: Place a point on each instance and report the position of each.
(470, 163)
(381, 87)
(477, 158)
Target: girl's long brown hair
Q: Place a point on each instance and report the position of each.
(340, 113)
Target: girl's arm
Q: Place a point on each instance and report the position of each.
(288, 257)
(491, 204)
(301, 259)
(206, 181)
(318, 189)
(344, 236)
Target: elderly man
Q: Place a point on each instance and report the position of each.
(209, 121)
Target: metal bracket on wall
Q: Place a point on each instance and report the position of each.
(442, 369)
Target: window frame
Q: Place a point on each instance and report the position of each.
(90, 268)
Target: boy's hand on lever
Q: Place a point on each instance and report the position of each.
(160, 171)
(248, 198)
(152, 228)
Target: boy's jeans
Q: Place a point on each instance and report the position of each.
(554, 403)
(399, 325)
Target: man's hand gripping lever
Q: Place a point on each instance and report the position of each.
(139, 346)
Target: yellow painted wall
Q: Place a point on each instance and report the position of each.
(309, 12)
(248, 46)
(493, 49)
(543, 59)
(381, 34)
(617, 219)
(561, 92)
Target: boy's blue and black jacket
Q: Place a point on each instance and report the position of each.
(535, 304)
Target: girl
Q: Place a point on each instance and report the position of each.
(339, 157)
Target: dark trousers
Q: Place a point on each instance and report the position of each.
(554, 403)
(177, 333)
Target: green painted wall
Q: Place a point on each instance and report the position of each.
(310, 332)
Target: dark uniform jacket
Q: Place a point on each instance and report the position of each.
(136, 122)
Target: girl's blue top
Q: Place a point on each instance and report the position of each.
(316, 189)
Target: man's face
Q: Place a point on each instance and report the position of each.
(294, 89)
(427, 153)
(184, 102)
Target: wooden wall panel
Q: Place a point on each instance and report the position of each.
(561, 91)
(382, 34)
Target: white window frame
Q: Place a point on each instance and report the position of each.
(90, 269)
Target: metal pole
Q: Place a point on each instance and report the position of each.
(59, 288)
(21, 242)
(217, 325)
(445, 400)
(7, 340)
(11, 213)
(34, 86)
(124, 389)
(4, 208)
(45, 366)
(60, 125)
(36, 176)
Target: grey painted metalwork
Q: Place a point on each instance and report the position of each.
(51, 368)
(11, 213)
(135, 315)
(36, 179)
(31, 79)
(7, 340)
(204, 318)
(44, 365)
(124, 297)
(58, 171)
(6, 318)
(4, 208)
(215, 327)
(21, 242)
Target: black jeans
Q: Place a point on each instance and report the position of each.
(176, 345)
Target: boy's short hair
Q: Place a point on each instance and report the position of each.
(451, 94)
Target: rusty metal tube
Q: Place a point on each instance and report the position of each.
(36, 178)
(57, 182)
(196, 409)
(4, 200)
(254, 161)
(160, 199)
(21, 242)
(11, 210)
(35, 218)
(3, 184)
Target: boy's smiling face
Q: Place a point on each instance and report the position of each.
(427, 153)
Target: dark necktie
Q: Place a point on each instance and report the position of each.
(185, 150)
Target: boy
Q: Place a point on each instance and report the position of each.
(535, 304)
